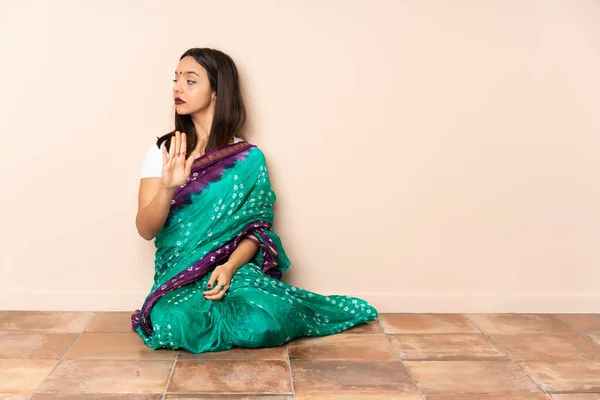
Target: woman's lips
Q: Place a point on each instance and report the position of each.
(179, 101)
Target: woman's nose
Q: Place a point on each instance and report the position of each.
(177, 87)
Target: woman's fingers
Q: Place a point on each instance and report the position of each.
(213, 277)
(164, 154)
(183, 145)
(221, 293)
(215, 290)
(172, 142)
(217, 285)
(177, 143)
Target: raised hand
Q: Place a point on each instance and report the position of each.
(176, 166)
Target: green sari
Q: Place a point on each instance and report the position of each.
(227, 198)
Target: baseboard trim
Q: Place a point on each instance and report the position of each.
(384, 302)
(482, 303)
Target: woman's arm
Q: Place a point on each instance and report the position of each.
(244, 252)
(154, 200)
(156, 193)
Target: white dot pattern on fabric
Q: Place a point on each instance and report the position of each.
(311, 314)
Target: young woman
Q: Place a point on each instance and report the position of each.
(205, 196)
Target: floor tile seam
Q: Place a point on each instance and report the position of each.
(412, 379)
(508, 356)
(170, 375)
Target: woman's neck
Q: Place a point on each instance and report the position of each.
(203, 123)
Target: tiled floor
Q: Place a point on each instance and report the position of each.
(87, 355)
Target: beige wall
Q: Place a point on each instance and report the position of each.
(427, 155)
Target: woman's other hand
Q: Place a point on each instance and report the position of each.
(221, 277)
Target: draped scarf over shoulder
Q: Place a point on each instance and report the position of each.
(228, 197)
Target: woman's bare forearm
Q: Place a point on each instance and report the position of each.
(245, 251)
(151, 219)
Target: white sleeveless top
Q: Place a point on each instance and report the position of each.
(152, 167)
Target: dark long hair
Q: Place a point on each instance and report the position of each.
(230, 113)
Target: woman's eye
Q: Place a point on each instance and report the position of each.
(190, 82)
(174, 80)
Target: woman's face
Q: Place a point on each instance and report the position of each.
(191, 89)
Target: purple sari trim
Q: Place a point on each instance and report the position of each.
(205, 169)
(200, 268)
